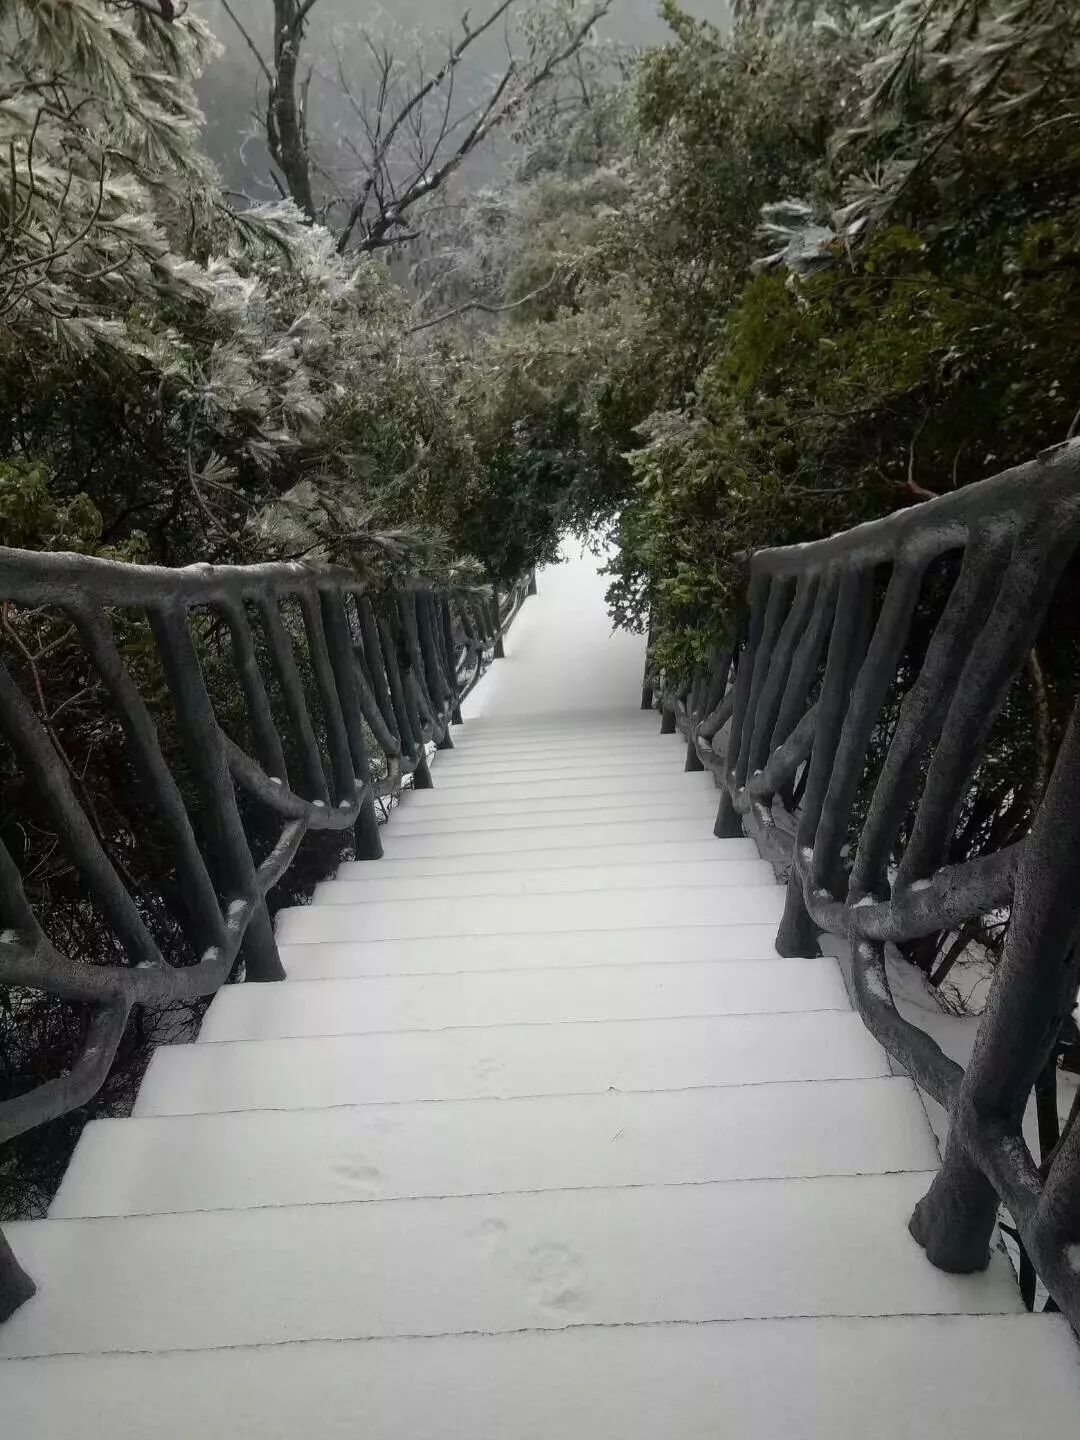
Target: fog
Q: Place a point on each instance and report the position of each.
(232, 87)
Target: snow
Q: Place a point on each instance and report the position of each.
(508, 1061)
(965, 1377)
(541, 1138)
(249, 1158)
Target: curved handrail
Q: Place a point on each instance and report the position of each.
(827, 630)
(350, 669)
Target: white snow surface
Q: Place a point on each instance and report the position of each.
(540, 1140)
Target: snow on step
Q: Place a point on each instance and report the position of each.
(633, 1256)
(508, 1060)
(512, 759)
(669, 906)
(554, 810)
(534, 997)
(986, 1377)
(451, 773)
(398, 864)
(556, 881)
(333, 960)
(545, 832)
(472, 1147)
(598, 789)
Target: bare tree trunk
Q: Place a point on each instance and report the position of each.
(286, 128)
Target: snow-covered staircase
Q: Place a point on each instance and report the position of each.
(539, 1139)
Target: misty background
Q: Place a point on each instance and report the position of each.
(233, 90)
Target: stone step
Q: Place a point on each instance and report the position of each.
(542, 832)
(491, 814)
(575, 721)
(346, 958)
(667, 907)
(453, 771)
(250, 1158)
(508, 1060)
(965, 1377)
(344, 890)
(496, 798)
(640, 1255)
(514, 997)
(398, 863)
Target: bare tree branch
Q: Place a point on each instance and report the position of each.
(410, 140)
(484, 307)
(263, 66)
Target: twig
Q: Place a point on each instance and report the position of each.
(483, 306)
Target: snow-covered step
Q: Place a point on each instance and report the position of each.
(497, 797)
(456, 771)
(670, 906)
(522, 759)
(341, 959)
(462, 779)
(508, 1060)
(548, 815)
(609, 720)
(555, 881)
(633, 1256)
(967, 1377)
(489, 814)
(515, 997)
(398, 864)
(472, 1147)
(545, 832)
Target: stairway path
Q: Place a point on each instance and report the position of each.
(540, 1139)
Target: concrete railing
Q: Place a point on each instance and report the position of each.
(241, 697)
(857, 709)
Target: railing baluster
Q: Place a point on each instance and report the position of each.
(339, 649)
(283, 663)
(923, 709)
(426, 705)
(410, 736)
(195, 891)
(998, 652)
(797, 934)
(728, 824)
(377, 665)
(446, 622)
(337, 735)
(264, 731)
(766, 707)
(867, 696)
(806, 660)
(395, 645)
(50, 777)
(206, 755)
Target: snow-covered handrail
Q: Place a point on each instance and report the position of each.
(826, 657)
(309, 665)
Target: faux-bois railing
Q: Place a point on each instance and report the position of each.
(322, 670)
(827, 631)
